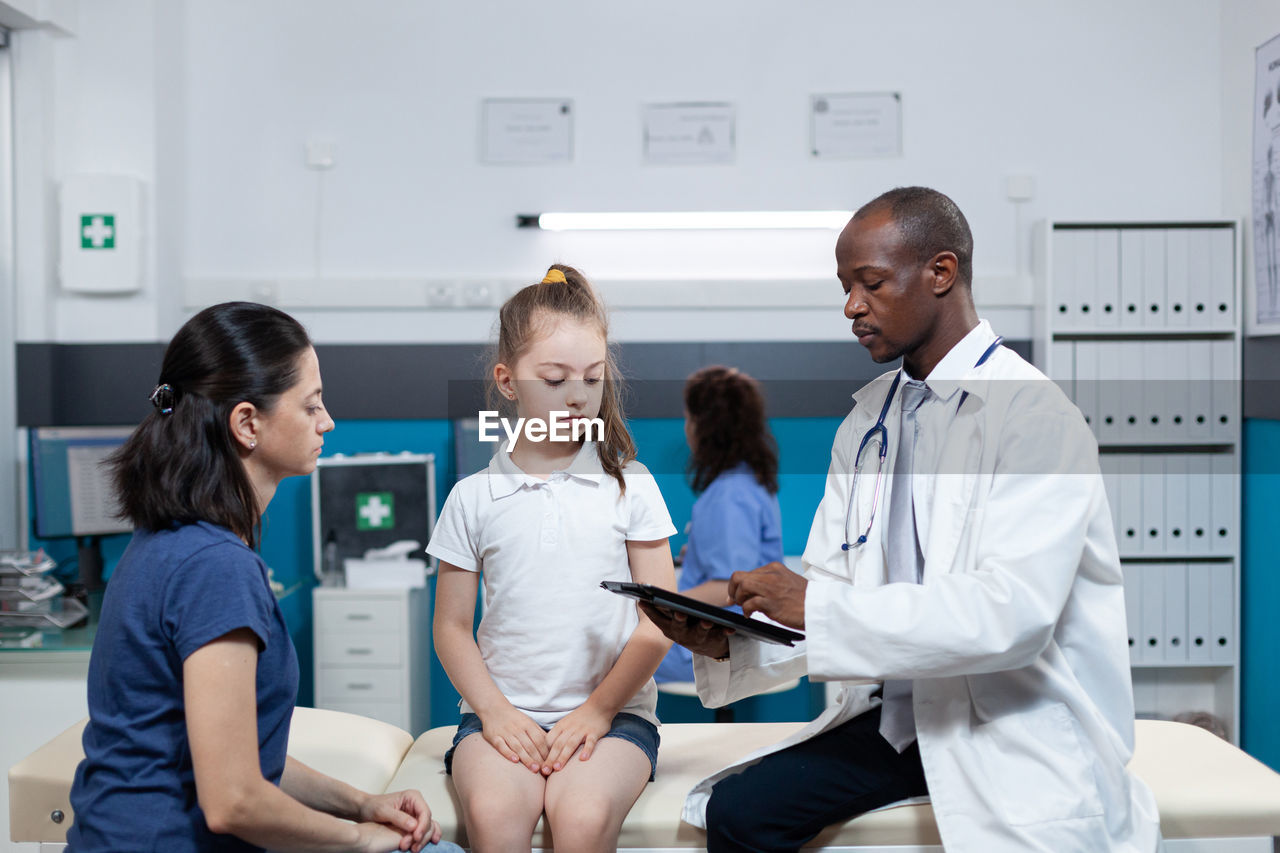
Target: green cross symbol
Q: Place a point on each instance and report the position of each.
(97, 231)
(375, 511)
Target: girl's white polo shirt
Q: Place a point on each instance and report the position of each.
(550, 634)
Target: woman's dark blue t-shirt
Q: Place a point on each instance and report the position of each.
(173, 591)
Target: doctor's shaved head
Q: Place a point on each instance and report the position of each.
(929, 223)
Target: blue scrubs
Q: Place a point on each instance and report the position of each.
(736, 525)
(174, 591)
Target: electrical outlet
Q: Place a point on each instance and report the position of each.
(320, 154)
(479, 294)
(264, 291)
(441, 294)
(1020, 187)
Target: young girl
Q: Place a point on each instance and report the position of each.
(557, 692)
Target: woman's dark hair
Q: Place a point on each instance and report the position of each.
(182, 463)
(727, 411)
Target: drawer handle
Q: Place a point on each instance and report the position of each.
(361, 686)
(359, 651)
(359, 617)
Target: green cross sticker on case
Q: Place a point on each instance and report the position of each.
(97, 231)
(375, 511)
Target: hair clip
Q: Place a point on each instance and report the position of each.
(554, 277)
(164, 398)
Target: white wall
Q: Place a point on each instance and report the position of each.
(1114, 108)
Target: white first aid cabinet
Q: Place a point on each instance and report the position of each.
(100, 229)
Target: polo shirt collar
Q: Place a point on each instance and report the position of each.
(506, 478)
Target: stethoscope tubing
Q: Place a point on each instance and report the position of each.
(879, 429)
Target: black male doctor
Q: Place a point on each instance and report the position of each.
(961, 584)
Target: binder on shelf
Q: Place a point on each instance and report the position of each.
(1107, 254)
(1153, 528)
(1222, 290)
(1199, 391)
(1223, 419)
(1132, 388)
(1176, 504)
(1131, 279)
(1152, 585)
(1200, 501)
(1155, 409)
(1226, 490)
(1132, 573)
(1129, 467)
(1085, 287)
(1062, 366)
(1177, 395)
(1183, 265)
(1199, 597)
(1222, 611)
(1153, 278)
(1063, 308)
(1086, 384)
(1175, 612)
(1109, 364)
(1109, 464)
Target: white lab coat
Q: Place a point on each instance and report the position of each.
(1015, 638)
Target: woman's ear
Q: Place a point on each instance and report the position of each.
(505, 380)
(244, 426)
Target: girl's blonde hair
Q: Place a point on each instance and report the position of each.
(524, 317)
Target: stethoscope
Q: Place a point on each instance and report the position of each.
(880, 435)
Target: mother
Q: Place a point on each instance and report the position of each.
(193, 675)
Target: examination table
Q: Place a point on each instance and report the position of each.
(1213, 798)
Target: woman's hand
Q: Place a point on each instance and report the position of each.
(582, 726)
(405, 811)
(380, 838)
(515, 736)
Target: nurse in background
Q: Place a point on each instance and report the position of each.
(736, 524)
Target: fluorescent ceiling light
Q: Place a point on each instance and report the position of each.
(687, 220)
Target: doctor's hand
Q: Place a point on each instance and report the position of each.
(773, 590)
(699, 637)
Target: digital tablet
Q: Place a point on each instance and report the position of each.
(668, 600)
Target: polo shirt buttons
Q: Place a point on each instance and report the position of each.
(550, 535)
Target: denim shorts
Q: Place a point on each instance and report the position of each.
(629, 727)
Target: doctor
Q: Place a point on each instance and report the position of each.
(961, 584)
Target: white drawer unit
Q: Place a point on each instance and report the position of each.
(372, 654)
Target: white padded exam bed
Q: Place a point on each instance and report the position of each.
(1213, 798)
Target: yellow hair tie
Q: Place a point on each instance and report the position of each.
(554, 277)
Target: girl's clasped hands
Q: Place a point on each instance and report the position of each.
(519, 739)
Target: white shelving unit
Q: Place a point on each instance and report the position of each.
(371, 654)
(1139, 322)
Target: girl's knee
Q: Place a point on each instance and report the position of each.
(499, 817)
(585, 825)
